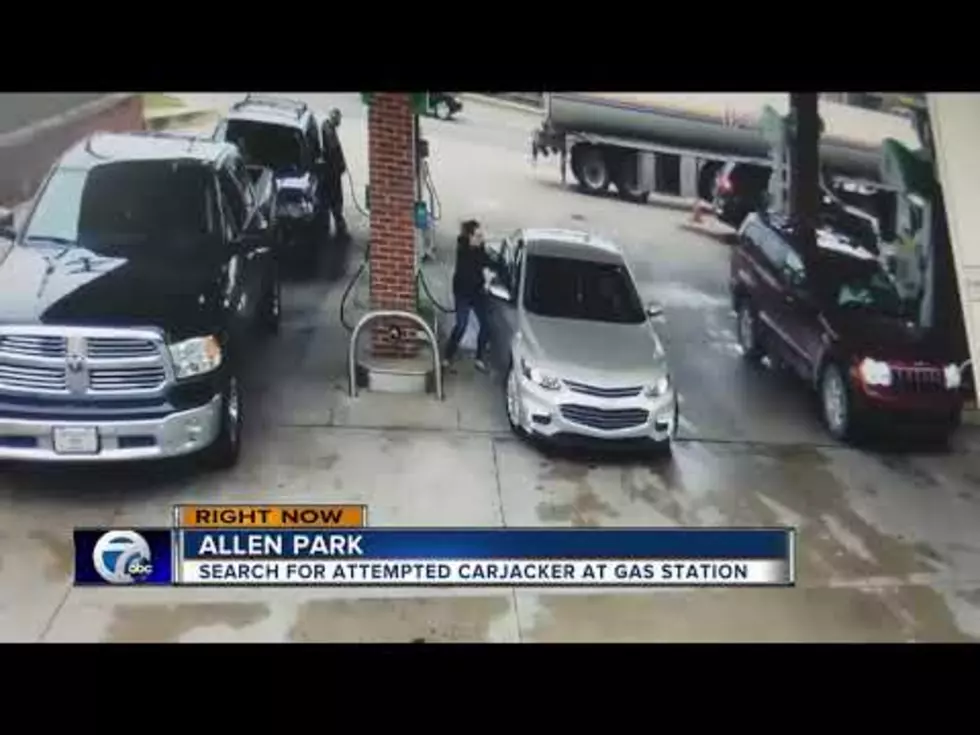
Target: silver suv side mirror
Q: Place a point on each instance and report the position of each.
(654, 310)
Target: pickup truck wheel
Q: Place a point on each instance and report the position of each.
(223, 454)
(589, 167)
(836, 404)
(272, 307)
(748, 331)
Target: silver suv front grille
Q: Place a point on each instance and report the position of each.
(605, 419)
(79, 362)
(595, 390)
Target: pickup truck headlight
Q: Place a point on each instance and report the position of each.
(953, 376)
(659, 388)
(195, 356)
(548, 382)
(875, 372)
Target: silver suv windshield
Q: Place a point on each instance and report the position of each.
(568, 288)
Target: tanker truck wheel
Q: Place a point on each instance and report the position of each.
(590, 169)
(626, 184)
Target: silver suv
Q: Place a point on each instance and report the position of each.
(577, 347)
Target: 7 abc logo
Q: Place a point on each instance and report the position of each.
(122, 557)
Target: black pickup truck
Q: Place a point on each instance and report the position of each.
(130, 297)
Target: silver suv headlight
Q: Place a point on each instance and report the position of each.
(535, 375)
(658, 388)
(195, 356)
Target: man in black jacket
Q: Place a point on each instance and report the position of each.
(468, 292)
(335, 167)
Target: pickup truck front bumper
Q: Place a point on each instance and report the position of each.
(175, 434)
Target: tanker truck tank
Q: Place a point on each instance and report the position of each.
(685, 121)
(713, 127)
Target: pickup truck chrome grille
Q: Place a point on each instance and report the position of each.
(121, 348)
(33, 345)
(83, 362)
(137, 378)
(45, 379)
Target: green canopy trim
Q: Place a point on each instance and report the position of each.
(420, 101)
(907, 169)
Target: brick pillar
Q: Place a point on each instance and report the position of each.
(392, 175)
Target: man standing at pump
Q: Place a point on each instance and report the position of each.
(335, 166)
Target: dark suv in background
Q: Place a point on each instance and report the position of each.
(129, 298)
(839, 322)
(284, 135)
(739, 189)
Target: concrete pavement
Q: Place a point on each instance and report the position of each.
(888, 540)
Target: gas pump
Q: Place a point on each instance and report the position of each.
(776, 131)
(424, 212)
(427, 213)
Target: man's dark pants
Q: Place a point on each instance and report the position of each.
(467, 304)
(335, 202)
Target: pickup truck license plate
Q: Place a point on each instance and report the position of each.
(76, 440)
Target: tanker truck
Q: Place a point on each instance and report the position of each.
(676, 143)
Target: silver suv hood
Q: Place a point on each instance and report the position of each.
(597, 353)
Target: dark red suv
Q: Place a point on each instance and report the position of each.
(840, 323)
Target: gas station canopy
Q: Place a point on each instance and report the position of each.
(420, 100)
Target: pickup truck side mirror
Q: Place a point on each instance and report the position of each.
(654, 310)
(8, 228)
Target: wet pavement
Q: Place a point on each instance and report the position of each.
(889, 548)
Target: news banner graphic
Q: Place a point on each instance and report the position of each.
(331, 546)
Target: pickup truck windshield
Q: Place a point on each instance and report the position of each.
(275, 146)
(580, 289)
(126, 209)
